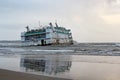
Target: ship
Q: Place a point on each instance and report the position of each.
(47, 35)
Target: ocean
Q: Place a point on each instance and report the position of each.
(84, 61)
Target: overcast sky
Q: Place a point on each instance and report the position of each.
(89, 20)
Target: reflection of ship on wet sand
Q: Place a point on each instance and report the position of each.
(50, 64)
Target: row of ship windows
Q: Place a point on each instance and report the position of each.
(36, 33)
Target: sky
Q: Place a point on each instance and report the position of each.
(89, 20)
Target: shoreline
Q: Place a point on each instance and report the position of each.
(13, 75)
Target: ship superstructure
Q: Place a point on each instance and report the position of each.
(47, 35)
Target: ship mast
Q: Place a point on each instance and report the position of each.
(28, 29)
(57, 37)
(40, 25)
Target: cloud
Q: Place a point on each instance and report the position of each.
(90, 20)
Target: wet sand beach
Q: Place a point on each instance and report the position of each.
(12, 75)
